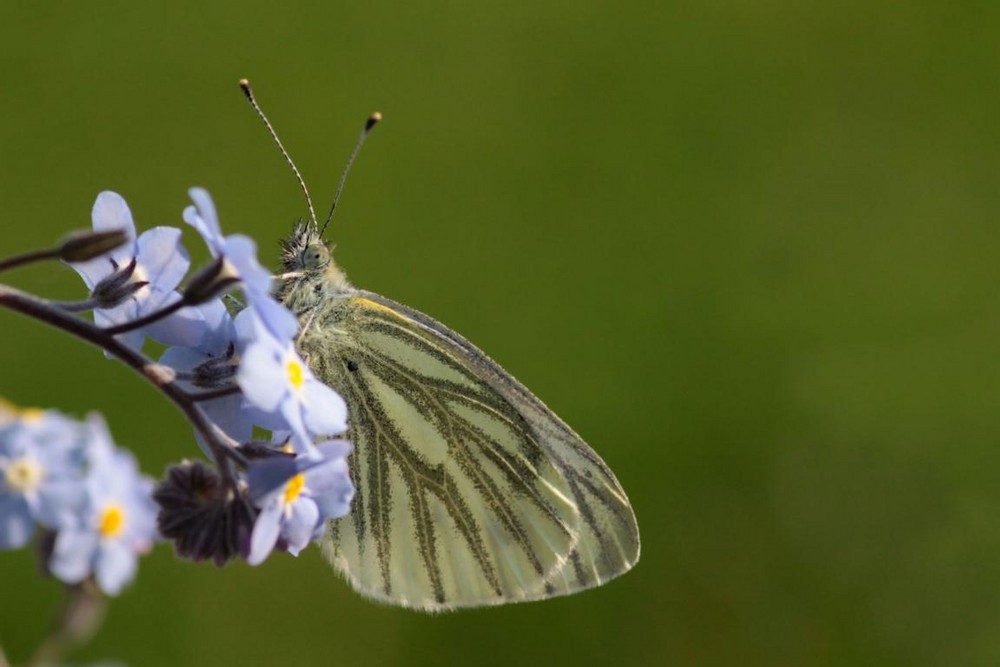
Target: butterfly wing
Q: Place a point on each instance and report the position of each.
(469, 490)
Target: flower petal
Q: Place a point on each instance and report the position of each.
(187, 327)
(16, 526)
(110, 212)
(182, 358)
(261, 377)
(72, 555)
(265, 533)
(229, 413)
(325, 412)
(277, 319)
(302, 442)
(220, 332)
(269, 476)
(301, 525)
(162, 257)
(206, 210)
(116, 566)
(331, 488)
(60, 503)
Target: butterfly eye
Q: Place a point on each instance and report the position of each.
(311, 257)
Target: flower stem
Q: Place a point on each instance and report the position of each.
(46, 312)
(29, 258)
(155, 316)
(214, 393)
(77, 620)
(77, 306)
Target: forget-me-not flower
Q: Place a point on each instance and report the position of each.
(239, 252)
(296, 495)
(42, 456)
(287, 395)
(116, 524)
(212, 365)
(139, 277)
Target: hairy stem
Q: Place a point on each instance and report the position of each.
(29, 258)
(147, 320)
(77, 620)
(210, 394)
(44, 311)
(77, 306)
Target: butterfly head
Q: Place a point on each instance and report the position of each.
(304, 250)
(304, 253)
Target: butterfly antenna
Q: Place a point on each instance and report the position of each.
(369, 124)
(245, 86)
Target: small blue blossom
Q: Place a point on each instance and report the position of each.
(145, 272)
(287, 395)
(117, 521)
(240, 254)
(213, 370)
(295, 497)
(41, 473)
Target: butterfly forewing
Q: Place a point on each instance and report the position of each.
(469, 490)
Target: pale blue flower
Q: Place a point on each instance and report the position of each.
(41, 473)
(213, 365)
(117, 521)
(240, 253)
(145, 272)
(287, 395)
(295, 497)
(213, 370)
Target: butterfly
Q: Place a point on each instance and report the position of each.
(469, 490)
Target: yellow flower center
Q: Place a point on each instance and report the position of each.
(10, 412)
(31, 414)
(295, 374)
(23, 475)
(294, 488)
(112, 521)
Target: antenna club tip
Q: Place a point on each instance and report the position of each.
(374, 119)
(245, 87)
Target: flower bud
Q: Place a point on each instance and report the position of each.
(84, 246)
(203, 517)
(210, 281)
(216, 371)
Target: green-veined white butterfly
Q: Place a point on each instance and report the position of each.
(470, 491)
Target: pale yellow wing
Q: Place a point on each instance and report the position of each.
(469, 490)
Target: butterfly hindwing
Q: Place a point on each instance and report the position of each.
(469, 490)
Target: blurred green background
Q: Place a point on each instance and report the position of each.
(747, 249)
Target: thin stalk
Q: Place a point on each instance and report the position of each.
(29, 258)
(43, 311)
(77, 620)
(77, 306)
(210, 394)
(147, 320)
